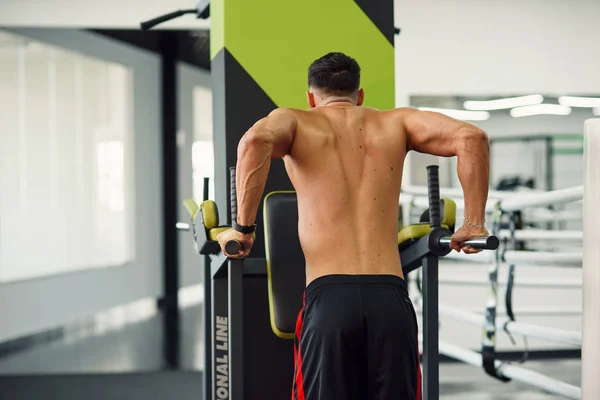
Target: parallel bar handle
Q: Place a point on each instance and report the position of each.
(433, 191)
(233, 246)
(479, 243)
(164, 18)
(205, 188)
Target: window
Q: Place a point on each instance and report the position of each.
(203, 149)
(65, 160)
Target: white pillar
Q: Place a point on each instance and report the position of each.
(590, 353)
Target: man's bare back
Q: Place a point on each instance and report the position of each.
(346, 166)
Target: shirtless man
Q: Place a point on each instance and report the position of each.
(356, 336)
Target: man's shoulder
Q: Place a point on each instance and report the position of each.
(399, 111)
(286, 110)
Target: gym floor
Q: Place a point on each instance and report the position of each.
(126, 363)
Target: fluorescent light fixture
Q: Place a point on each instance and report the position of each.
(596, 110)
(502, 104)
(460, 114)
(539, 109)
(572, 101)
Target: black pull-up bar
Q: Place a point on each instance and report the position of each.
(202, 11)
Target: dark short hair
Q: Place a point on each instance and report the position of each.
(335, 73)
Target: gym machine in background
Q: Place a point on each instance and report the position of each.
(244, 358)
(202, 11)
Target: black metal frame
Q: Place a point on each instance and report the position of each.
(207, 377)
(426, 252)
(169, 303)
(226, 363)
(431, 351)
(223, 313)
(223, 321)
(226, 305)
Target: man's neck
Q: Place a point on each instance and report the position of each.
(339, 102)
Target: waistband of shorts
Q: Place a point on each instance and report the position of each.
(357, 280)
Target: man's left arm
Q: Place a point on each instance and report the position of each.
(269, 138)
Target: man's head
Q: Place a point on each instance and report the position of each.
(332, 78)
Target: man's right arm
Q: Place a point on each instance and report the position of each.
(440, 135)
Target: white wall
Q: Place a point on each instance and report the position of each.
(65, 151)
(501, 48)
(95, 14)
(33, 305)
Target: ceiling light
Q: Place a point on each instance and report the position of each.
(460, 114)
(539, 109)
(501, 104)
(572, 101)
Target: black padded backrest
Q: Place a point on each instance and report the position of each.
(285, 261)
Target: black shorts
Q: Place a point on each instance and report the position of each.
(356, 338)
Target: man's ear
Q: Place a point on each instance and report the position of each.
(310, 97)
(360, 98)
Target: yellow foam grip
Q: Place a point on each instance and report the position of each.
(209, 214)
(449, 213)
(191, 207)
(214, 232)
(417, 231)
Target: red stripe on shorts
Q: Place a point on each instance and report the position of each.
(299, 385)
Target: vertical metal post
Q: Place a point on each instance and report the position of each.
(207, 331)
(488, 342)
(221, 383)
(512, 226)
(235, 300)
(590, 354)
(431, 371)
(431, 351)
(236, 355)
(549, 153)
(170, 301)
(549, 163)
(208, 313)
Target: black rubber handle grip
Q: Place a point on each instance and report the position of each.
(232, 194)
(164, 18)
(433, 191)
(233, 246)
(479, 243)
